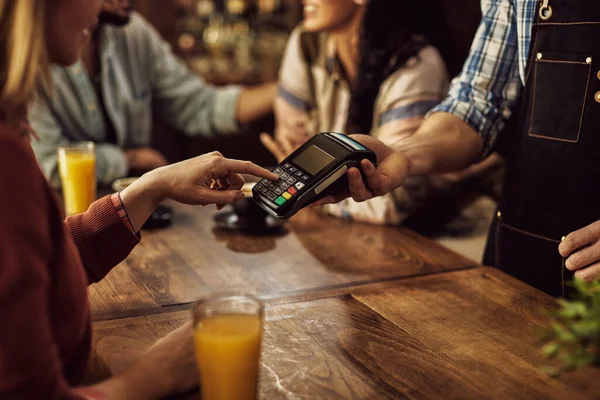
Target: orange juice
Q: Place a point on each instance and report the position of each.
(78, 176)
(228, 353)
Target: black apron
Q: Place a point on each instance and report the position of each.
(553, 155)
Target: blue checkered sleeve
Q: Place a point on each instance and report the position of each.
(488, 86)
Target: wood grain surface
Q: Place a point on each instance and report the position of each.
(192, 259)
(457, 335)
(483, 321)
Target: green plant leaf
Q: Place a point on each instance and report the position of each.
(551, 349)
(588, 328)
(562, 333)
(553, 372)
(573, 336)
(572, 309)
(584, 359)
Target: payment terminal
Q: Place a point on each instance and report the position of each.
(310, 173)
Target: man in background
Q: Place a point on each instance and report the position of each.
(127, 71)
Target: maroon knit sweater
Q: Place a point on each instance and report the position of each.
(46, 264)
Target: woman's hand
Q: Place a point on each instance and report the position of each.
(582, 248)
(168, 368)
(207, 179)
(391, 172)
(172, 361)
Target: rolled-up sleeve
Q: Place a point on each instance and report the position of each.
(485, 92)
(103, 235)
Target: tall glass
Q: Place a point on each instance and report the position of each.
(77, 168)
(228, 334)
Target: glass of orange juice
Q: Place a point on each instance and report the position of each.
(77, 168)
(228, 335)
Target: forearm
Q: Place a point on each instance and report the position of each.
(443, 143)
(255, 102)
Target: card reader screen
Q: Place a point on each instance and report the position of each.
(313, 160)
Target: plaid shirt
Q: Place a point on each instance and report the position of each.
(494, 74)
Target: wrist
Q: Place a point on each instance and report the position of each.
(149, 188)
(418, 166)
(155, 186)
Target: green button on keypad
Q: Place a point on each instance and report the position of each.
(280, 201)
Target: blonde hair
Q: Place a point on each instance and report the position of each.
(23, 58)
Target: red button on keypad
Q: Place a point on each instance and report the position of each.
(292, 190)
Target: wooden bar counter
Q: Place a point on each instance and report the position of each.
(353, 311)
(192, 259)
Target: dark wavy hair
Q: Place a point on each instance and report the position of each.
(388, 39)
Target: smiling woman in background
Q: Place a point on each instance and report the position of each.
(362, 66)
(45, 263)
